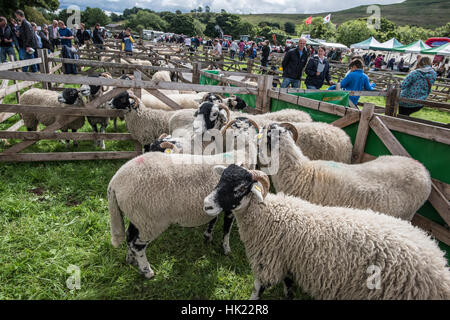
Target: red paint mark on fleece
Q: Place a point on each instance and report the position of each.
(140, 160)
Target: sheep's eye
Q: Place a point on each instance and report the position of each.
(242, 189)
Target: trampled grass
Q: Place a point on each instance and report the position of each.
(55, 214)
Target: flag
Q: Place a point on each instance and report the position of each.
(308, 21)
(327, 18)
(274, 39)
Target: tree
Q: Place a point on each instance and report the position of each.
(388, 30)
(178, 12)
(353, 31)
(183, 24)
(222, 11)
(207, 9)
(443, 31)
(115, 17)
(91, 16)
(199, 9)
(407, 34)
(289, 27)
(8, 7)
(147, 20)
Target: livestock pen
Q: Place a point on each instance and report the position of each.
(54, 212)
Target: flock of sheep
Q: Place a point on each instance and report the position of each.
(328, 224)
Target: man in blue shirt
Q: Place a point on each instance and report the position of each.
(65, 34)
(293, 63)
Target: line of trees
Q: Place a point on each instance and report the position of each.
(201, 21)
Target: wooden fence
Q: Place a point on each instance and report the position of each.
(366, 118)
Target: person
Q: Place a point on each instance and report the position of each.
(97, 37)
(252, 51)
(317, 70)
(44, 37)
(415, 62)
(265, 52)
(391, 63)
(82, 35)
(217, 52)
(417, 85)
(379, 62)
(127, 41)
(65, 34)
(38, 38)
(233, 48)
(356, 80)
(241, 50)
(6, 41)
(27, 41)
(293, 63)
(53, 35)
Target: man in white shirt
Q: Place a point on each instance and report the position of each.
(217, 52)
(53, 34)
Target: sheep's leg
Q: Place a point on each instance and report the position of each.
(115, 124)
(208, 233)
(227, 224)
(136, 252)
(94, 128)
(102, 130)
(75, 143)
(67, 141)
(258, 289)
(288, 290)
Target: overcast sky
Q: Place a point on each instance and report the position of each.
(234, 6)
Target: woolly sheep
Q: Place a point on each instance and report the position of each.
(156, 190)
(395, 185)
(144, 124)
(319, 140)
(330, 252)
(69, 97)
(164, 76)
(186, 101)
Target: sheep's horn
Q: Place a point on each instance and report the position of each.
(168, 145)
(227, 126)
(292, 129)
(136, 99)
(262, 178)
(257, 127)
(223, 106)
(163, 136)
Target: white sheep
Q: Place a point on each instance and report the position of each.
(395, 185)
(164, 76)
(330, 252)
(186, 101)
(156, 190)
(69, 97)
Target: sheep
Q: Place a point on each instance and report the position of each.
(144, 124)
(69, 97)
(157, 189)
(94, 92)
(186, 101)
(164, 76)
(319, 140)
(395, 185)
(330, 252)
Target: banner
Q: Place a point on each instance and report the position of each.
(327, 18)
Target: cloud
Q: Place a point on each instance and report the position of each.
(234, 6)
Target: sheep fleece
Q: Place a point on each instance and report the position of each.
(328, 251)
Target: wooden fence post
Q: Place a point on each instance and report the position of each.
(43, 66)
(196, 73)
(262, 98)
(249, 65)
(137, 76)
(363, 130)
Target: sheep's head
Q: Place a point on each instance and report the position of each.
(165, 143)
(122, 101)
(212, 97)
(284, 129)
(69, 96)
(236, 103)
(210, 116)
(235, 188)
(242, 126)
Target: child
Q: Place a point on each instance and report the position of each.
(356, 80)
(127, 42)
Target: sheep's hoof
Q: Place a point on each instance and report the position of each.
(226, 250)
(207, 237)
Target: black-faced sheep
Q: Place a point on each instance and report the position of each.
(330, 252)
(394, 185)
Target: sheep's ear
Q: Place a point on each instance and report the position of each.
(257, 190)
(219, 169)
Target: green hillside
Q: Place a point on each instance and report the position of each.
(423, 13)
